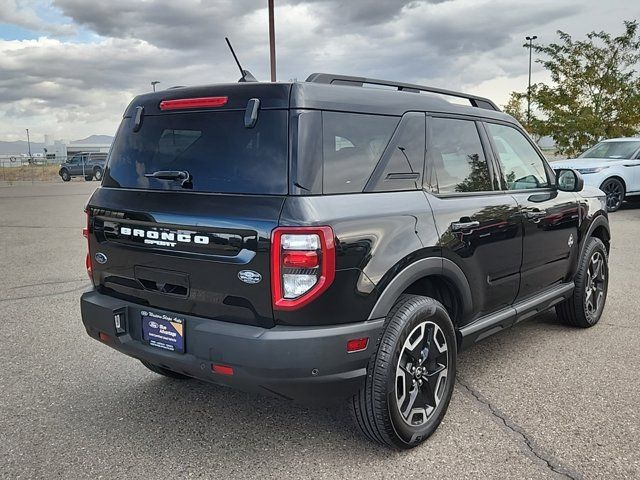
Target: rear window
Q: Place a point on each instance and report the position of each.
(220, 153)
(352, 146)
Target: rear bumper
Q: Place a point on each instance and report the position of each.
(306, 364)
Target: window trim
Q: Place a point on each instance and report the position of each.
(551, 178)
(485, 148)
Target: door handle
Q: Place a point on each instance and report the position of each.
(461, 226)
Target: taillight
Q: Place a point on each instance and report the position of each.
(87, 262)
(303, 265)
(186, 103)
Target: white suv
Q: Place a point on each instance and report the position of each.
(613, 166)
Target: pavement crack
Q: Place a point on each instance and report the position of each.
(42, 295)
(551, 463)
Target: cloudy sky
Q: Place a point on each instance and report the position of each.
(69, 67)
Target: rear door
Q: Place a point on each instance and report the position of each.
(201, 244)
(479, 226)
(551, 218)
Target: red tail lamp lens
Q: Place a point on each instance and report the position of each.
(222, 369)
(303, 265)
(87, 261)
(357, 344)
(300, 259)
(186, 103)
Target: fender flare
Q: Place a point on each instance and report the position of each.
(599, 221)
(423, 268)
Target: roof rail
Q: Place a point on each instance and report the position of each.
(331, 79)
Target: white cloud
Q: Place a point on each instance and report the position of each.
(72, 89)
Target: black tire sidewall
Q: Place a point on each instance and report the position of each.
(426, 310)
(97, 174)
(64, 174)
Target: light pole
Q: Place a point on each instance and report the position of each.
(154, 83)
(530, 39)
(29, 145)
(272, 42)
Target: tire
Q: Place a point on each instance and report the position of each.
(97, 173)
(64, 174)
(615, 191)
(88, 178)
(591, 286)
(385, 409)
(164, 371)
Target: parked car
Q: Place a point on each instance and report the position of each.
(325, 241)
(613, 166)
(89, 165)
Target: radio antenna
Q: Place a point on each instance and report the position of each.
(245, 74)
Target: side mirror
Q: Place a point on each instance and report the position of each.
(568, 180)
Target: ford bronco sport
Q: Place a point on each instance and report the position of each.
(322, 240)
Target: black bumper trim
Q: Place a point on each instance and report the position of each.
(307, 364)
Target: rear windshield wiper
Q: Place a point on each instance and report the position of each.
(187, 179)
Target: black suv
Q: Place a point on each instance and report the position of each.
(322, 240)
(89, 165)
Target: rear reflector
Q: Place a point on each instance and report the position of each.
(104, 337)
(222, 369)
(357, 344)
(186, 103)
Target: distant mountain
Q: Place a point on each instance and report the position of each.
(21, 146)
(95, 139)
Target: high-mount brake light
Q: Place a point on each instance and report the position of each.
(303, 265)
(187, 103)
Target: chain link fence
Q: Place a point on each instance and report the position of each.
(18, 168)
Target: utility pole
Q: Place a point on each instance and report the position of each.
(29, 144)
(154, 83)
(530, 39)
(272, 42)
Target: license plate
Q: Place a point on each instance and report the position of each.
(163, 331)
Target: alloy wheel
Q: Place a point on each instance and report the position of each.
(596, 285)
(613, 189)
(421, 373)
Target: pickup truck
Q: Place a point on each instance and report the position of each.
(89, 165)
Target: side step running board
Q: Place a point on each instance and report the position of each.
(496, 322)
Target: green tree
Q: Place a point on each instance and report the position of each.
(516, 107)
(595, 89)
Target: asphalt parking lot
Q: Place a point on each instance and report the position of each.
(538, 401)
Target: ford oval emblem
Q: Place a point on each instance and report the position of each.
(101, 258)
(249, 276)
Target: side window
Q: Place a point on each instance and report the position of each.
(403, 160)
(457, 160)
(352, 145)
(522, 167)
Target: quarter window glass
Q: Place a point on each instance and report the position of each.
(403, 160)
(458, 163)
(522, 167)
(352, 146)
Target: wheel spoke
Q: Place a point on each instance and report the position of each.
(414, 393)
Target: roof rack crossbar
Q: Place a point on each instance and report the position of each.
(332, 79)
